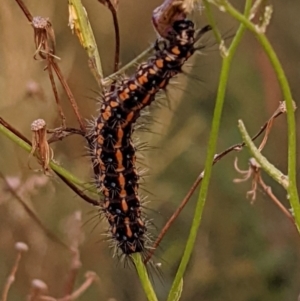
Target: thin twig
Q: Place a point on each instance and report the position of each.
(267, 189)
(74, 237)
(14, 131)
(11, 278)
(25, 10)
(20, 247)
(69, 94)
(90, 279)
(59, 134)
(75, 265)
(113, 11)
(55, 92)
(268, 129)
(173, 217)
(32, 214)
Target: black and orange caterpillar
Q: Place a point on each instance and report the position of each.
(112, 148)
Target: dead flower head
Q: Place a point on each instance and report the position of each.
(253, 172)
(40, 146)
(44, 37)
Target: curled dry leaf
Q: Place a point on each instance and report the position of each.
(253, 172)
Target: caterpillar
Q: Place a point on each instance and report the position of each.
(113, 152)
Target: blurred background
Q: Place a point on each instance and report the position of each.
(243, 252)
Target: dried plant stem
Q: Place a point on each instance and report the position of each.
(117, 32)
(78, 191)
(267, 189)
(69, 94)
(11, 278)
(73, 272)
(74, 239)
(173, 217)
(25, 10)
(90, 279)
(59, 134)
(55, 92)
(14, 131)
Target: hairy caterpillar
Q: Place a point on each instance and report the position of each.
(112, 148)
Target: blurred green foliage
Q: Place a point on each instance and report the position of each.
(244, 252)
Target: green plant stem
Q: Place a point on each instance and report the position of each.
(212, 22)
(53, 165)
(79, 19)
(210, 155)
(271, 170)
(292, 164)
(143, 275)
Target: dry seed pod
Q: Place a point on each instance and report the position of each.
(40, 146)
